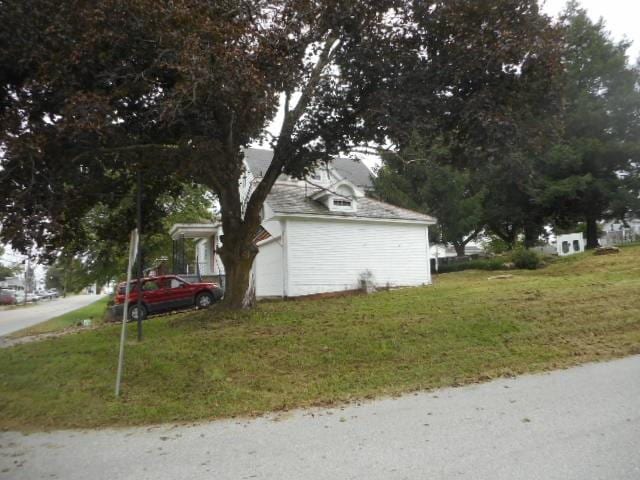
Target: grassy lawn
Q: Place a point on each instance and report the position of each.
(211, 364)
(95, 311)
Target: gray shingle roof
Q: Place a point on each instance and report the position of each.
(355, 171)
(294, 199)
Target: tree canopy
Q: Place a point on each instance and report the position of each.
(94, 91)
(486, 104)
(592, 172)
(543, 129)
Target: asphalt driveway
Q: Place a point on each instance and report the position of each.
(582, 423)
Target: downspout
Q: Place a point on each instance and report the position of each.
(285, 253)
(428, 257)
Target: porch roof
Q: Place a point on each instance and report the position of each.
(193, 230)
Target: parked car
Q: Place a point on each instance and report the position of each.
(165, 293)
(32, 297)
(7, 297)
(46, 294)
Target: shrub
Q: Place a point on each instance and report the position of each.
(527, 259)
(496, 263)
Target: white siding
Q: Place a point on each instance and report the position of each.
(268, 270)
(331, 255)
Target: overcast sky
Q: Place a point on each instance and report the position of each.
(620, 16)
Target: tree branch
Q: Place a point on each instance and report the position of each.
(126, 148)
(290, 119)
(472, 236)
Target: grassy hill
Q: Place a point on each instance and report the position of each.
(213, 364)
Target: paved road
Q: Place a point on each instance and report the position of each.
(22, 317)
(582, 423)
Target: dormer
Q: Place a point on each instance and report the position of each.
(340, 197)
(319, 176)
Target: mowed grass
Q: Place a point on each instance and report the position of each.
(212, 364)
(94, 311)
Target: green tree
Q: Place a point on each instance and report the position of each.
(6, 270)
(101, 260)
(421, 177)
(93, 91)
(485, 99)
(592, 173)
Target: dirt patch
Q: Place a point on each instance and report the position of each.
(6, 342)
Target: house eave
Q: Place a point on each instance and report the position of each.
(193, 230)
(351, 218)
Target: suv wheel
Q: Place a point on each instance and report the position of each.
(134, 312)
(204, 300)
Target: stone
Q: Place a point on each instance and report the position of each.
(606, 250)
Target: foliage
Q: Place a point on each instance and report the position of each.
(496, 245)
(104, 259)
(492, 263)
(67, 275)
(283, 355)
(421, 177)
(177, 89)
(526, 259)
(6, 270)
(485, 103)
(591, 173)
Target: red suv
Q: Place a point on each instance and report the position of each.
(168, 292)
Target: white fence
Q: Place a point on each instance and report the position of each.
(620, 237)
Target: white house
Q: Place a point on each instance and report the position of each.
(323, 234)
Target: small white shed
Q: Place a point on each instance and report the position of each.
(569, 244)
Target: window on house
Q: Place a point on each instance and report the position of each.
(576, 245)
(565, 247)
(317, 176)
(341, 203)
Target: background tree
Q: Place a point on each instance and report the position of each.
(487, 92)
(421, 177)
(592, 173)
(6, 270)
(100, 260)
(94, 90)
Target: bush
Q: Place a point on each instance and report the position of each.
(496, 263)
(527, 259)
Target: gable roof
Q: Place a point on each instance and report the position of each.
(295, 200)
(258, 161)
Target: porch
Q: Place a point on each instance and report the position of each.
(194, 252)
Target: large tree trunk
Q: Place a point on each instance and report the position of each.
(459, 246)
(531, 235)
(238, 262)
(592, 233)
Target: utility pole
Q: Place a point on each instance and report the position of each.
(140, 258)
(27, 280)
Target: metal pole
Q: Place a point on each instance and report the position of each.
(26, 278)
(140, 259)
(133, 248)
